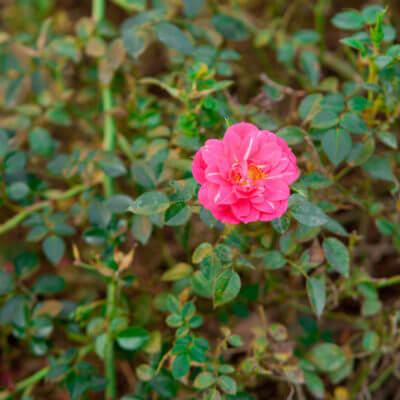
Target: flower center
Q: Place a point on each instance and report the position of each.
(254, 173)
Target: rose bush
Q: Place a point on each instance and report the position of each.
(145, 254)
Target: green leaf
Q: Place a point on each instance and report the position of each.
(370, 341)
(306, 36)
(25, 263)
(379, 168)
(229, 27)
(223, 69)
(204, 380)
(112, 166)
(310, 105)
(132, 338)
(76, 385)
(3, 143)
(310, 65)
(174, 37)
(224, 253)
(229, 54)
(227, 287)
(6, 283)
(353, 123)
(235, 341)
(95, 236)
(179, 271)
(132, 39)
(383, 61)
(309, 214)
(354, 43)
(389, 34)
(291, 134)
(63, 229)
(370, 14)
(335, 227)
(348, 20)
(48, 284)
(37, 233)
(192, 8)
(150, 203)
(177, 214)
(202, 251)
(164, 385)
(333, 102)
(58, 115)
(286, 53)
(119, 203)
(385, 226)
(144, 174)
(328, 357)
(315, 384)
(325, 119)
(15, 162)
(227, 384)
(337, 255)
(273, 260)
(202, 285)
(316, 291)
(66, 48)
(145, 372)
(281, 224)
(54, 248)
(361, 152)
(315, 180)
(337, 145)
(357, 103)
(388, 139)
(98, 214)
(18, 190)
(141, 228)
(41, 142)
(180, 366)
(132, 5)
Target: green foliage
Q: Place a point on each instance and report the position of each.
(109, 263)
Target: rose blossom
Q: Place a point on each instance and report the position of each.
(245, 177)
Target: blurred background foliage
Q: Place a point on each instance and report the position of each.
(115, 283)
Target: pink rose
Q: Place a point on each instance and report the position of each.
(245, 177)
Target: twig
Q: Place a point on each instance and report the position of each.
(285, 89)
(382, 378)
(14, 221)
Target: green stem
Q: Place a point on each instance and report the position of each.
(98, 9)
(394, 280)
(111, 391)
(109, 130)
(16, 219)
(342, 173)
(109, 135)
(319, 22)
(37, 377)
(378, 382)
(26, 383)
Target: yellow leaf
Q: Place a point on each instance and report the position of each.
(179, 271)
